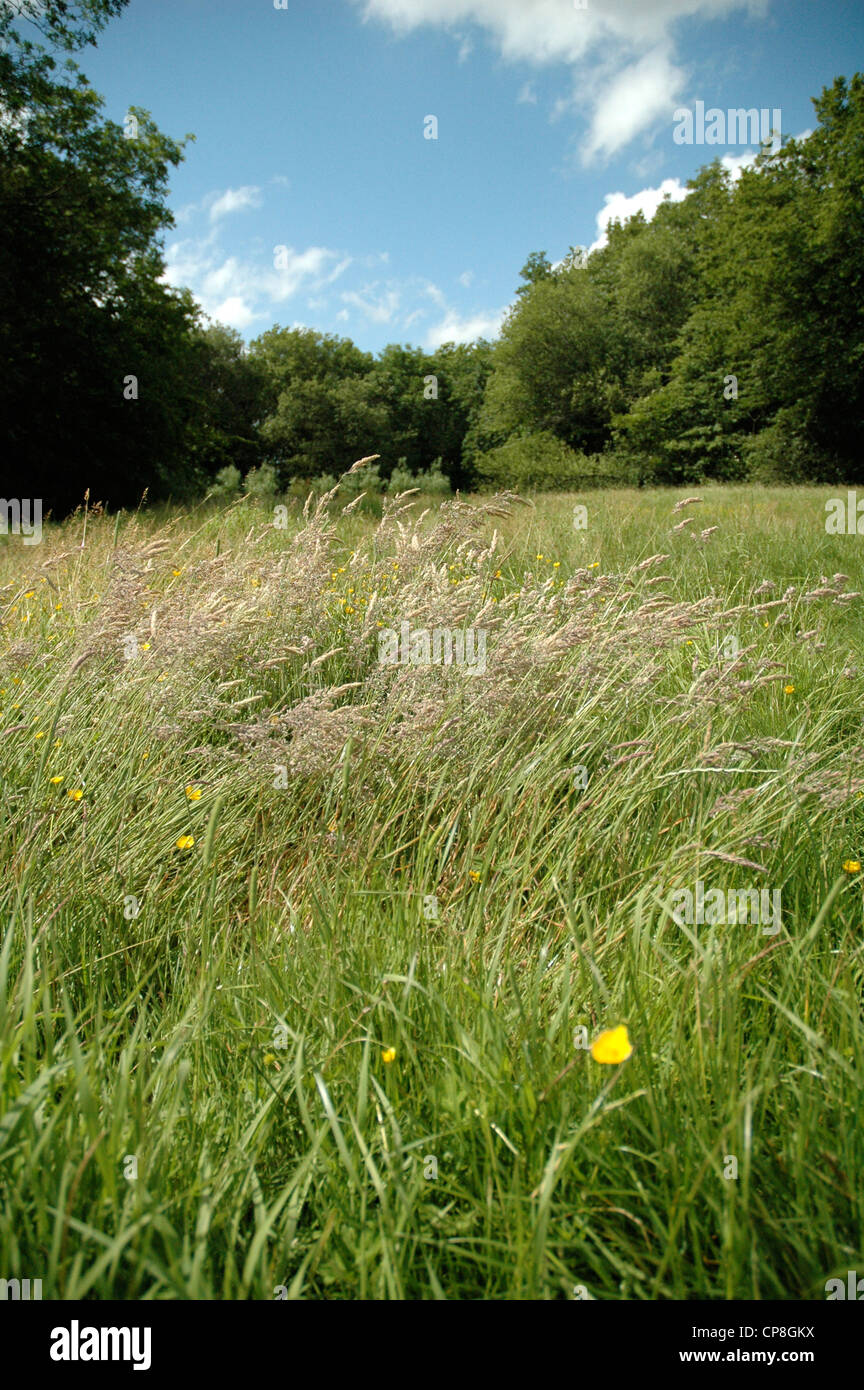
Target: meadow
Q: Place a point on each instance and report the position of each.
(303, 953)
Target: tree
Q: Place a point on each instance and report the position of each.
(65, 24)
(780, 313)
(537, 267)
(228, 387)
(94, 348)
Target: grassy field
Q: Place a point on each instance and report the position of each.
(302, 951)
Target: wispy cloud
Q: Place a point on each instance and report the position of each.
(453, 328)
(234, 200)
(239, 291)
(635, 98)
(218, 205)
(377, 310)
(630, 42)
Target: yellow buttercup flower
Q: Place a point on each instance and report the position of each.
(186, 842)
(612, 1046)
(41, 734)
(852, 866)
(388, 1055)
(193, 793)
(76, 793)
(788, 690)
(473, 873)
(57, 780)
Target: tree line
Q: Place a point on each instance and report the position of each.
(723, 339)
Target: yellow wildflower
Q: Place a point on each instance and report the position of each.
(612, 1046)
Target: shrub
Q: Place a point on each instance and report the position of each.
(227, 483)
(401, 479)
(325, 482)
(433, 481)
(262, 483)
(366, 479)
(782, 453)
(538, 460)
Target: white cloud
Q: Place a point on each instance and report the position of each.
(234, 200)
(736, 162)
(617, 207)
(219, 205)
(380, 310)
(239, 292)
(454, 329)
(234, 312)
(545, 31)
(527, 94)
(633, 100)
(629, 42)
(466, 278)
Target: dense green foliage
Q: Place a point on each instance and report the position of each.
(83, 309)
(724, 339)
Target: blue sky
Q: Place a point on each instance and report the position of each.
(309, 125)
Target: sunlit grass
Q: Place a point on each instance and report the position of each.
(326, 1083)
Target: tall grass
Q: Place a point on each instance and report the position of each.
(215, 1018)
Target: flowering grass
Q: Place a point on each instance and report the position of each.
(239, 1052)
